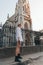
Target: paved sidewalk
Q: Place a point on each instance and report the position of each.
(10, 61)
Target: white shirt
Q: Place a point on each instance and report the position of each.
(19, 34)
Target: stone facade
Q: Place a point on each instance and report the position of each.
(41, 37)
(22, 15)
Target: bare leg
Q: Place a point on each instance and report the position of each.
(17, 52)
(18, 48)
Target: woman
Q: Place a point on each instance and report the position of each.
(19, 39)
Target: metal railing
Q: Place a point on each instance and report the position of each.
(8, 39)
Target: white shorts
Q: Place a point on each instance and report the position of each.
(20, 38)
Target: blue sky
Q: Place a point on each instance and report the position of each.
(36, 8)
(6, 6)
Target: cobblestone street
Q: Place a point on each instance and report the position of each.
(7, 61)
(35, 59)
(38, 61)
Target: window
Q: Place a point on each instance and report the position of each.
(23, 8)
(20, 19)
(26, 25)
(24, 1)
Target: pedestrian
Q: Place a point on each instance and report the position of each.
(19, 39)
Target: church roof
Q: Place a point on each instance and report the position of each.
(8, 23)
(12, 18)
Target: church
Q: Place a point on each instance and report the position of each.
(22, 15)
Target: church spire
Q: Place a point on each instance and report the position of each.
(22, 12)
(8, 16)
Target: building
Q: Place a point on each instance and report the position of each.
(41, 37)
(22, 15)
(1, 36)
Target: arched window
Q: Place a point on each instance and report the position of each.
(25, 25)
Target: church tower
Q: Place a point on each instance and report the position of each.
(22, 14)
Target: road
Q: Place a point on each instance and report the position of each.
(35, 59)
(38, 61)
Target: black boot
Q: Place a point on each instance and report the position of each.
(17, 59)
(19, 56)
